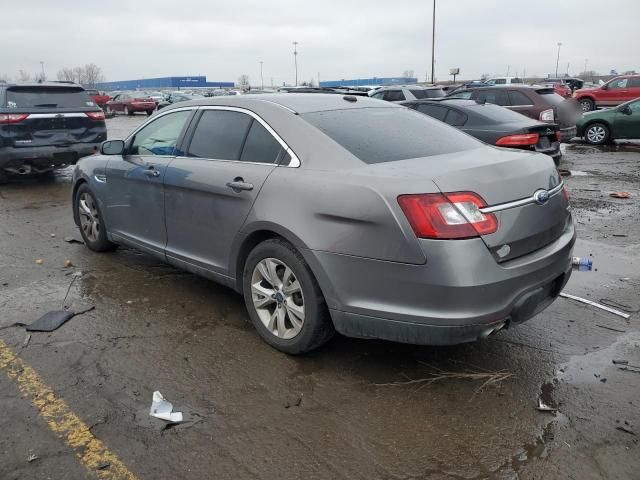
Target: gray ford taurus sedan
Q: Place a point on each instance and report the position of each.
(331, 212)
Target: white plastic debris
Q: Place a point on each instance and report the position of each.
(595, 304)
(543, 407)
(162, 409)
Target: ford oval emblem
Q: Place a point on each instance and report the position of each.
(541, 197)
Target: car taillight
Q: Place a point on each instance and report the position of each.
(565, 193)
(519, 140)
(447, 216)
(6, 118)
(547, 115)
(95, 115)
(558, 135)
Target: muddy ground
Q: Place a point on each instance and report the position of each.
(258, 414)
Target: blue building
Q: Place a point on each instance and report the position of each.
(198, 81)
(369, 81)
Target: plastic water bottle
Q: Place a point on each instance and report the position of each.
(583, 264)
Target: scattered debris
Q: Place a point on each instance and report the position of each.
(39, 261)
(619, 235)
(582, 263)
(297, 403)
(27, 339)
(53, 235)
(67, 264)
(162, 409)
(620, 194)
(625, 430)
(564, 173)
(54, 319)
(620, 362)
(73, 240)
(103, 466)
(629, 369)
(543, 407)
(611, 328)
(32, 457)
(594, 304)
(621, 306)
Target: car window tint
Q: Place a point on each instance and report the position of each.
(465, 95)
(551, 97)
(376, 135)
(394, 95)
(519, 98)
(621, 83)
(497, 97)
(499, 81)
(160, 136)
(219, 134)
(53, 97)
(455, 118)
(379, 95)
(419, 93)
(635, 106)
(634, 83)
(492, 114)
(435, 111)
(516, 80)
(260, 145)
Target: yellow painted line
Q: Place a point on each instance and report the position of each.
(61, 420)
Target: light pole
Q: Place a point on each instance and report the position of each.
(558, 58)
(42, 67)
(295, 59)
(261, 77)
(433, 44)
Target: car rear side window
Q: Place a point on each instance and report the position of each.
(394, 96)
(634, 82)
(160, 137)
(435, 111)
(499, 81)
(518, 98)
(551, 97)
(516, 80)
(219, 135)
(464, 95)
(497, 97)
(377, 135)
(48, 97)
(455, 118)
(260, 145)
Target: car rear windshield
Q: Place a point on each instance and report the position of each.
(495, 114)
(428, 93)
(516, 80)
(377, 135)
(551, 97)
(48, 97)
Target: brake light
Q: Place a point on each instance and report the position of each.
(565, 194)
(7, 118)
(95, 115)
(547, 115)
(447, 216)
(558, 135)
(518, 140)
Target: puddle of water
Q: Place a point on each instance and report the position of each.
(592, 366)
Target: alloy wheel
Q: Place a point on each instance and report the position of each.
(277, 297)
(89, 217)
(596, 134)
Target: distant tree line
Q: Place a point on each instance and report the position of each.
(88, 76)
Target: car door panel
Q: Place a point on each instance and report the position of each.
(134, 206)
(625, 125)
(210, 191)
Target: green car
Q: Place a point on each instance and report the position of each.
(601, 126)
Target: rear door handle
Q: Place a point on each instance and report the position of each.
(151, 172)
(239, 185)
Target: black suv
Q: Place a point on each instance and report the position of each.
(44, 126)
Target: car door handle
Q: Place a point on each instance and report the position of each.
(151, 172)
(239, 185)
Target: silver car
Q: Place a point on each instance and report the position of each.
(336, 213)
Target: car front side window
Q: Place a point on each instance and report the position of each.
(616, 84)
(160, 137)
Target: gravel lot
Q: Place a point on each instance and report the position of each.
(255, 413)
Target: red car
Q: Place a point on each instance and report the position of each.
(99, 98)
(616, 91)
(560, 88)
(129, 104)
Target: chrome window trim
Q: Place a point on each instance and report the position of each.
(522, 202)
(153, 119)
(295, 161)
(60, 115)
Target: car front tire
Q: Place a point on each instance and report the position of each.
(284, 300)
(126, 111)
(92, 227)
(597, 134)
(587, 105)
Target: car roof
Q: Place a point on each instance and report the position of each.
(413, 87)
(294, 102)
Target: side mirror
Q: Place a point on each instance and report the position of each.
(626, 110)
(112, 147)
(605, 86)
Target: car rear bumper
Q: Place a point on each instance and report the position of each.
(40, 159)
(461, 294)
(567, 133)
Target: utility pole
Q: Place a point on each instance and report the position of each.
(508, 70)
(318, 79)
(295, 59)
(42, 66)
(261, 77)
(568, 63)
(433, 44)
(558, 58)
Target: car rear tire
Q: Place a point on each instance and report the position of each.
(587, 105)
(597, 134)
(283, 299)
(92, 227)
(149, 112)
(126, 111)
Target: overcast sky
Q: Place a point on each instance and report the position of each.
(337, 39)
